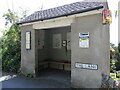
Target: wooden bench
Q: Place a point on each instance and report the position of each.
(63, 65)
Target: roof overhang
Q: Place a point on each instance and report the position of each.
(72, 13)
(61, 21)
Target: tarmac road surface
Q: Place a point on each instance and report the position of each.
(47, 79)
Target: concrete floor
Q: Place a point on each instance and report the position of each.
(48, 78)
(61, 76)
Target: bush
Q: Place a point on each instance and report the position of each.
(117, 56)
(112, 66)
(11, 50)
(118, 74)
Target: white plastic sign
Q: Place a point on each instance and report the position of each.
(28, 40)
(86, 66)
(84, 40)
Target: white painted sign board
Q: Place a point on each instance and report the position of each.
(84, 40)
(86, 66)
(28, 40)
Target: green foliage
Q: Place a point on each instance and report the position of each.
(30, 75)
(118, 58)
(118, 74)
(114, 76)
(115, 63)
(118, 65)
(11, 44)
(112, 66)
(27, 75)
(10, 17)
(119, 47)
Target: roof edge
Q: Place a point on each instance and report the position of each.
(81, 11)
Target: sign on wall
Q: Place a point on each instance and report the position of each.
(57, 41)
(84, 40)
(86, 66)
(107, 16)
(28, 40)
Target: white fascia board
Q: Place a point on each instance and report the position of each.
(53, 23)
(61, 21)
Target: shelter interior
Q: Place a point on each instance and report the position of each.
(54, 48)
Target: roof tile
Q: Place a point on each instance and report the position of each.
(61, 10)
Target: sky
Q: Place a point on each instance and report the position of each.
(36, 5)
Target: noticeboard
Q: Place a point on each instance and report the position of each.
(84, 40)
(28, 40)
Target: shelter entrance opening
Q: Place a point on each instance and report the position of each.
(54, 52)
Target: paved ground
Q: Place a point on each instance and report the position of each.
(47, 79)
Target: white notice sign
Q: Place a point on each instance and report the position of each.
(28, 40)
(84, 40)
(86, 66)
